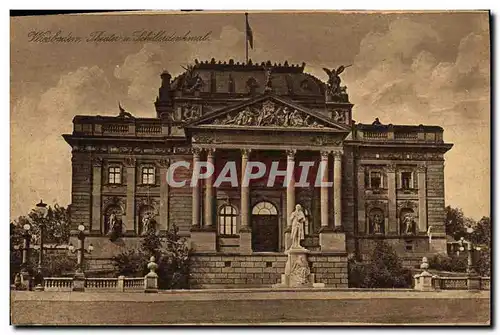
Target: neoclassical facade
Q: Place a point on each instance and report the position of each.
(377, 181)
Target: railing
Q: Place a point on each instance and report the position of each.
(101, 283)
(133, 283)
(58, 284)
(115, 128)
(148, 129)
(459, 283)
(451, 283)
(375, 134)
(406, 136)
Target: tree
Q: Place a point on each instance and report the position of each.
(456, 222)
(482, 237)
(384, 270)
(56, 231)
(171, 253)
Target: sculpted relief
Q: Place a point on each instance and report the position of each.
(269, 114)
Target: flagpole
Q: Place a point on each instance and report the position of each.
(246, 37)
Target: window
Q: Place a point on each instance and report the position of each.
(406, 180)
(227, 220)
(264, 208)
(375, 179)
(114, 175)
(148, 175)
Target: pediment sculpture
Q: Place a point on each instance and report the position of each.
(269, 115)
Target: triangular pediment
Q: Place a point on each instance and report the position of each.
(267, 111)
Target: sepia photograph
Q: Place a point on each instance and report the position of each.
(251, 168)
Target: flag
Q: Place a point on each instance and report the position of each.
(249, 32)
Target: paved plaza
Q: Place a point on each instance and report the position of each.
(203, 307)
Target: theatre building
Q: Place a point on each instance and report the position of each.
(380, 181)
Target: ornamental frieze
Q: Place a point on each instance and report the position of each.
(203, 138)
(108, 201)
(190, 112)
(268, 114)
(147, 201)
(410, 204)
(376, 204)
(325, 140)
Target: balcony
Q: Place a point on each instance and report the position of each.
(398, 133)
(119, 127)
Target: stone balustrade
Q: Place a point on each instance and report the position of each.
(115, 126)
(101, 283)
(58, 284)
(398, 133)
(133, 283)
(120, 284)
(458, 283)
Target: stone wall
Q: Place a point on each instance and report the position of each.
(81, 189)
(216, 270)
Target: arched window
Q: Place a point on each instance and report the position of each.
(227, 220)
(264, 208)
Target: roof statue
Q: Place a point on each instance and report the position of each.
(123, 112)
(333, 88)
(376, 122)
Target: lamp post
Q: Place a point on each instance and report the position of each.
(25, 279)
(79, 278)
(42, 210)
(473, 279)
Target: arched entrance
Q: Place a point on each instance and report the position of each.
(265, 228)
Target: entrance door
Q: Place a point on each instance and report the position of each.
(265, 228)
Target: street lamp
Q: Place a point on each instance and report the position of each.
(470, 247)
(24, 275)
(80, 250)
(42, 210)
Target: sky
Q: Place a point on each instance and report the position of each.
(407, 68)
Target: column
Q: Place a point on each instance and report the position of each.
(324, 190)
(164, 197)
(290, 195)
(337, 189)
(195, 218)
(209, 192)
(361, 200)
(245, 231)
(290, 187)
(422, 199)
(95, 224)
(130, 170)
(391, 195)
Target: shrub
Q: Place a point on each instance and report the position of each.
(172, 257)
(446, 263)
(384, 270)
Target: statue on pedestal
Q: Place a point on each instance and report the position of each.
(298, 219)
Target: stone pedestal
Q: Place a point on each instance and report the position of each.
(474, 282)
(203, 241)
(151, 279)
(297, 272)
(332, 241)
(288, 239)
(79, 282)
(245, 242)
(423, 282)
